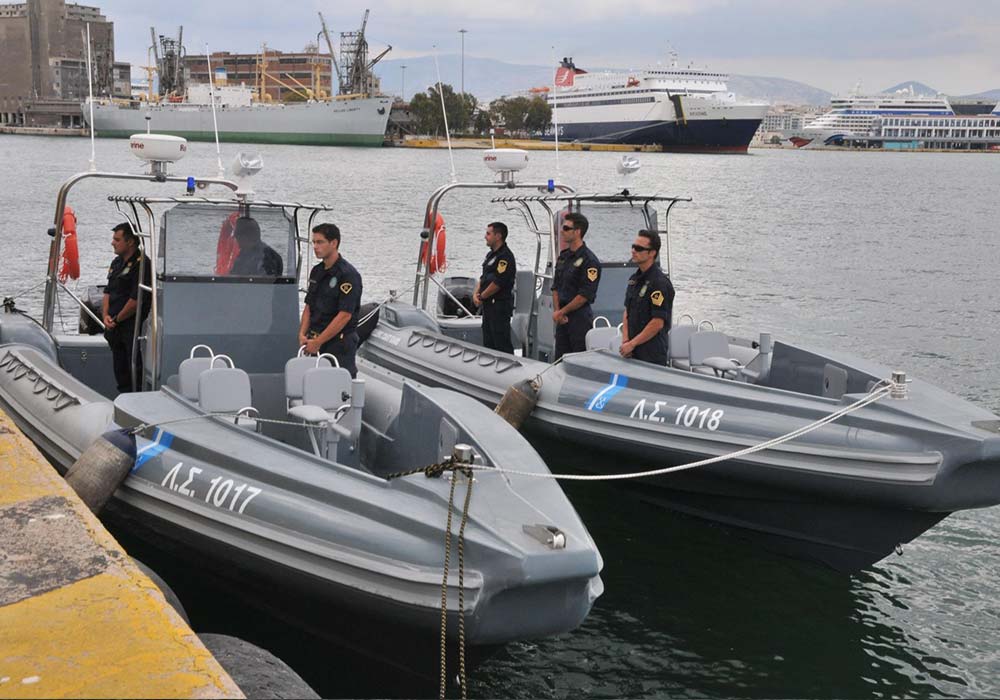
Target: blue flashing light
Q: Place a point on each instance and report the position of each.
(190, 184)
(552, 186)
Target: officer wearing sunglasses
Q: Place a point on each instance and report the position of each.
(649, 303)
(574, 287)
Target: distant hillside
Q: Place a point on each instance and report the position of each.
(488, 79)
(988, 95)
(918, 88)
(778, 90)
(485, 78)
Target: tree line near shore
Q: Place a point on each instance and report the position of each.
(517, 116)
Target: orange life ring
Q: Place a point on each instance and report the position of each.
(70, 251)
(227, 248)
(437, 261)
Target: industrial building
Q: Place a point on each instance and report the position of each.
(286, 76)
(43, 62)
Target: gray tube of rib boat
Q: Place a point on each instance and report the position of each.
(102, 468)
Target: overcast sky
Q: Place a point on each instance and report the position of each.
(950, 46)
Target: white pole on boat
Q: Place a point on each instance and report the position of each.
(444, 113)
(90, 90)
(215, 120)
(555, 115)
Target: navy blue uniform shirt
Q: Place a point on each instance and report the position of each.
(499, 267)
(577, 273)
(332, 291)
(123, 283)
(649, 295)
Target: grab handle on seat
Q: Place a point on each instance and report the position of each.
(333, 360)
(227, 358)
(210, 352)
(600, 318)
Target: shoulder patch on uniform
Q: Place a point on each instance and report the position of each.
(578, 262)
(502, 266)
(592, 274)
(346, 287)
(657, 298)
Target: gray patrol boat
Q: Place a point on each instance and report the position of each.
(269, 469)
(822, 455)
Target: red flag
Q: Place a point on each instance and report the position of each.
(564, 77)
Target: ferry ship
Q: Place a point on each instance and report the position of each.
(680, 109)
(858, 116)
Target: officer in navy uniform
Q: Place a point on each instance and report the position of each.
(649, 304)
(574, 287)
(495, 289)
(330, 317)
(120, 303)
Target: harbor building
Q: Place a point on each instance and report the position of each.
(43, 54)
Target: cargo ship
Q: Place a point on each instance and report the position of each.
(356, 116)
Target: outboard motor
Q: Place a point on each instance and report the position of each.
(461, 288)
(93, 298)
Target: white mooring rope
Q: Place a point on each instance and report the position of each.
(881, 390)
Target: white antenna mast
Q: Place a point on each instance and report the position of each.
(90, 88)
(555, 114)
(444, 113)
(215, 120)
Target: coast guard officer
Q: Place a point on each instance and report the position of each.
(649, 303)
(495, 289)
(329, 318)
(574, 287)
(120, 303)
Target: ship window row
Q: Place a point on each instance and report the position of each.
(952, 123)
(603, 103)
(563, 98)
(894, 132)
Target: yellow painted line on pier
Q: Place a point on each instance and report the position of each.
(77, 617)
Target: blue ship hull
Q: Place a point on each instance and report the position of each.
(713, 136)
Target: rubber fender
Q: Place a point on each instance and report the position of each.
(102, 468)
(365, 329)
(518, 402)
(165, 589)
(258, 672)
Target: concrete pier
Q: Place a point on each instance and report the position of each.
(77, 617)
(526, 144)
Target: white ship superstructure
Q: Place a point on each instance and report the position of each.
(677, 108)
(856, 116)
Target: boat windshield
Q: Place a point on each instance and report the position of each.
(204, 240)
(612, 228)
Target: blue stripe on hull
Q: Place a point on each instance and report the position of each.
(701, 135)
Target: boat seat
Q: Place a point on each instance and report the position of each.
(295, 372)
(190, 370)
(709, 353)
(227, 390)
(524, 294)
(678, 349)
(602, 337)
(331, 409)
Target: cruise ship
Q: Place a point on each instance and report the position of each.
(858, 116)
(680, 109)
